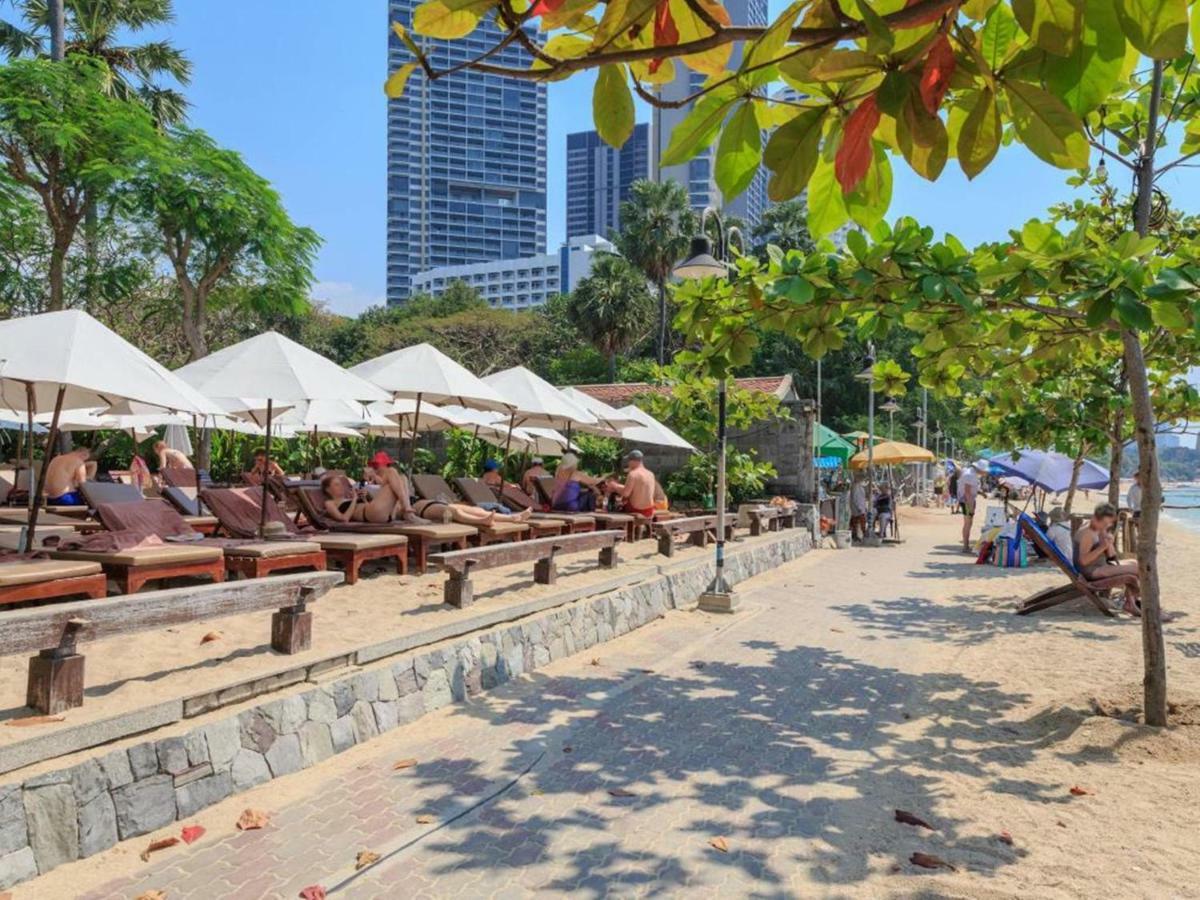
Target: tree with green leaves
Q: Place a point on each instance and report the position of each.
(98, 28)
(783, 225)
(611, 307)
(657, 224)
(64, 140)
(222, 229)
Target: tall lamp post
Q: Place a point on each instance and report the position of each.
(702, 263)
(891, 408)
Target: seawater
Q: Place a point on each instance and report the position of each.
(1185, 496)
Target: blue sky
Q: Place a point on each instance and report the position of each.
(297, 90)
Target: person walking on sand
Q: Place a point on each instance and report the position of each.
(968, 493)
(858, 510)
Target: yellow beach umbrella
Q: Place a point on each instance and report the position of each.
(890, 453)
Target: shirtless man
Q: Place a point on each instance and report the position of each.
(170, 458)
(65, 475)
(638, 490)
(260, 467)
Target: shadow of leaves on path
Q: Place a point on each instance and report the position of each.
(797, 757)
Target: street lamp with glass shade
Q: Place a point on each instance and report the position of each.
(867, 375)
(702, 263)
(891, 408)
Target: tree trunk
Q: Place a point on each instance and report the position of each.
(1116, 452)
(1154, 682)
(58, 29)
(57, 273)
(662, 321)
(1075, 470)
(612, 367)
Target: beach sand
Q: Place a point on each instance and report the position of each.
(982, 721)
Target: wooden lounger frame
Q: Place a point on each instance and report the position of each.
(1078, 586)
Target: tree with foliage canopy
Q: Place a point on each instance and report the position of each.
(64, 140)
(218, 224)
(611, 307)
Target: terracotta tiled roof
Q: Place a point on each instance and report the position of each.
(622, 394)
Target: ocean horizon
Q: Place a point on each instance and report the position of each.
(1183, 496)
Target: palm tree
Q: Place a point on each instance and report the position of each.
(94, 27)
(610, 307)
(786, 226)
(657, 224)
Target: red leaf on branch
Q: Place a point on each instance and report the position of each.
(545, 6)
(665, 32)
(854, 156)
(935, 77)
(931, 15)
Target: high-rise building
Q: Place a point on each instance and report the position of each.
(466, 159)
(599, 178)
(697, 174)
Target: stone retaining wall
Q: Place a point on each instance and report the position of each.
(78, 811)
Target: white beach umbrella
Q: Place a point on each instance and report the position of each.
(608, 415)
(68, 360)
(650, 430)
(547, 441)
(272, 367)
(538, 403)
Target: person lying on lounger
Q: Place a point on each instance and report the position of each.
(1096, 555)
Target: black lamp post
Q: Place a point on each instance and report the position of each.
(702, 263)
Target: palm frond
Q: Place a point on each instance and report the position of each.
(167, 107)
(16, 41)
(160, 58)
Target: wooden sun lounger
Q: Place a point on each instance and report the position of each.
(575, 523)
(605, 520)
(421, 538)
(47, 579)
(98, 492)
(1077, 585)
(477, 493)
(132, 569)
(434, 487)
(19, 515)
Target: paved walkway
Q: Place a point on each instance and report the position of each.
(758, 755)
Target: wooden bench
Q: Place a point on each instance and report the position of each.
(459, 564)
(763, 520)
(700, 530)
(56, 674)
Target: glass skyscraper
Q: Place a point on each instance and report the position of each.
(599, 178)
(697, 174)
(466, 159)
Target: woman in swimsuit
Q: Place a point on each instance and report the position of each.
(388, 504)
(1094, 548)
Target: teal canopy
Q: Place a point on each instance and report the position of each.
(827, 442)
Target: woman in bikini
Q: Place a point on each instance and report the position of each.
(1096, 555)
(390, 503)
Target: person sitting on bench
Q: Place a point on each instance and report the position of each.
(1096, 555)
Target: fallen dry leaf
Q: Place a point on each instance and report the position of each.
(719, 843)
(621, 792)
(33, 720)
(1079, 792)
(1061, 824)
(838, 630)
(144, 895)
(909, 819)
(1005, 838)
(192, 833)
(155, 846)
(404, 763)
(210, 637)
(364, 859)
(425, 819)
(312, 892)
(595, 661)
(250, 819)
(567, 748)
(929, 861)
